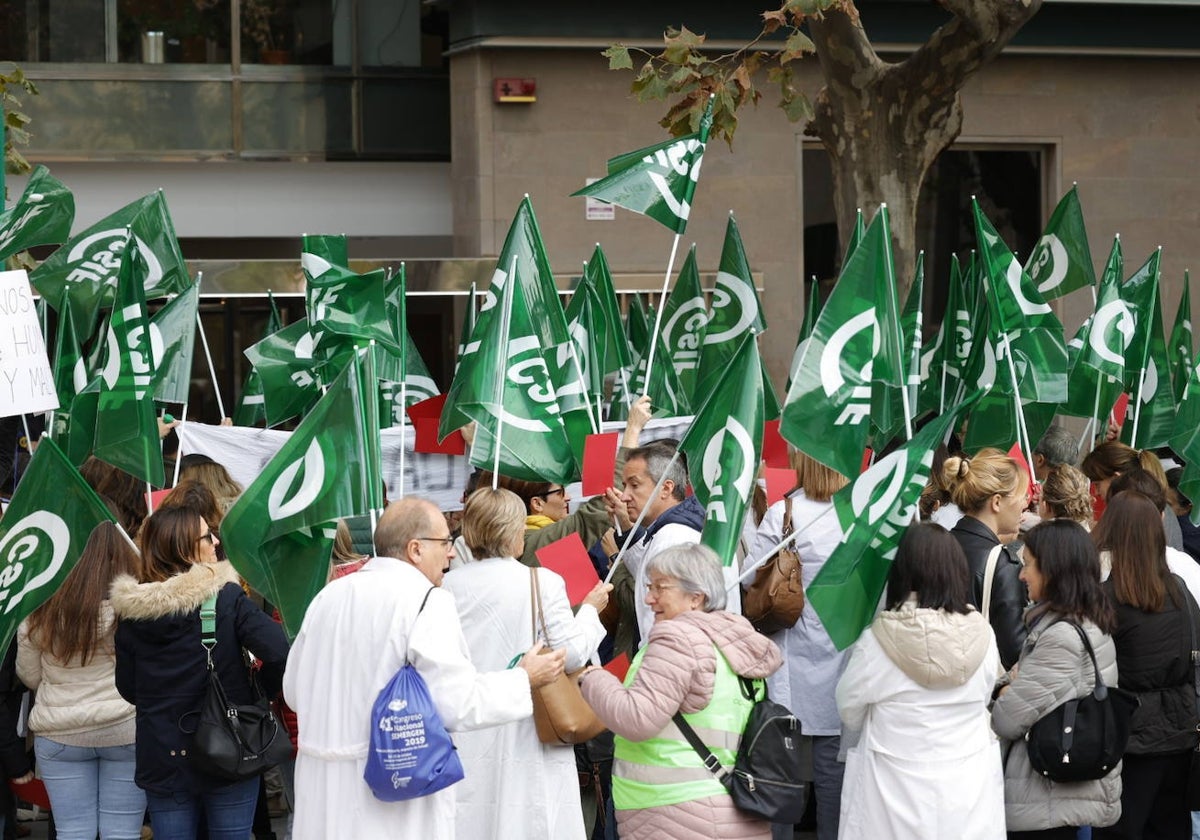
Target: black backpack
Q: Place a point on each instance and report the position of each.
(767, 776)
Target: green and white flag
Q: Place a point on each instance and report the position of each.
(42, 534)
(723, 448)
(585, 323)
(1098, 350)
(173, 340)
(806, 327)
(86, 267)
(889, 374)
(684, 323)
(873, 512)
(329, 248)
(251, 407)
(735, 310)
(519, 406)
(540, 293)
(616, 346)
(658, 181)
(1185, 440)
(910, 329)
(1061, 261)
(287, 372)
(345, 307)
(126, 429)
(276, 532)
(70, 370)
(827, 411)
(1180, 348)
(41, 216)
(1151, 416)
(667, 397)
(469, 315)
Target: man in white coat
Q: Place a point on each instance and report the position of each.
(358, 632)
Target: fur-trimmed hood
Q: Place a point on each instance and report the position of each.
(178, 595)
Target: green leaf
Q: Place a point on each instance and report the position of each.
(796, 46)
(680, 76)
(797, 108)
(618, 57)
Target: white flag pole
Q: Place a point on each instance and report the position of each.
(894, 296)
(498, 393)
(641, 517)
(662, 303)
(212, 371)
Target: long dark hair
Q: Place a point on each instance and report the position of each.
(168, 541)
(67, 625)
(1131, 529)
(1070, 567)
(931, 564)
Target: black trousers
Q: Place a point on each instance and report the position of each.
(1062, 832)
(1153, 803)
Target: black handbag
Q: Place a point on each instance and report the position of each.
(1084, 738)
(232, 741)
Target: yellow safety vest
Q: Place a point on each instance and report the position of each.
(665, 770)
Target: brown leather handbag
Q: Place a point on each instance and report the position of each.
(560, 713)
(775, 599)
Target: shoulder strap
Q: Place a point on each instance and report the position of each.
(423, 600)
(989, 577)
(710, 761)
(208, 626)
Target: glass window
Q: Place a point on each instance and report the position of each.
(290, 31)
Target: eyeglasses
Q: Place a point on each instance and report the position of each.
(657, 589)
(212, 537)
(550, 493)
(443, 540)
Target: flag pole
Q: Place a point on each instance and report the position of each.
(178, 454)
(403, 338)
(662, 303)
(1137, 414)
(594, 421)
(893, 295)
(1022, 430)
(212, 371)
(498, 392)
(749, 571)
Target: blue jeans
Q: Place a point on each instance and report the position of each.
(229, 810)
(91, 790)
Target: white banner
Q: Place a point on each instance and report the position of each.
(244, 451)
(26, 379)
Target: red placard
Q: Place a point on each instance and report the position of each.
(868, 457)
(778, 483)
(774, 447)
(618, 666)
(34, 792)
(599, 462)
(1017, 455)
(154, 499)
(568, 557)
(1119, 411)
(425, 417)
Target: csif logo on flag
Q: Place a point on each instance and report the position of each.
(1052, 256)
(528, 371)
(31, 212)
(41, 532)
(1113, 320)
(1012, 276)
(832, 354)
(729, 291)
(99, 256)
(678, 159)
(682, 327)
(128, 317)
(731, 448)
(875, 496)
(311, 468)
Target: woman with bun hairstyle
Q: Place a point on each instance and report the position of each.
(1065, 494)
(991, 489)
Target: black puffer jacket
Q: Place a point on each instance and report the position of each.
(161, 666)
(1154, 660)
(1006, 612)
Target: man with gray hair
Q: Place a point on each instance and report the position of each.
(656, 483)
(357, 633)
(1057, 446)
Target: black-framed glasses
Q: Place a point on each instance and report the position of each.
(443, 540)
(550, 493)
(213, 537)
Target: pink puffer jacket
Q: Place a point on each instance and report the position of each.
(677, 674)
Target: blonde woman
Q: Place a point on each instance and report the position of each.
(992, 490)
(811, 662)
(1066, 494)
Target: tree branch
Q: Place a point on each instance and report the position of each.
(844, 50)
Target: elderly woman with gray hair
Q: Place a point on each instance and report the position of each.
(691, 663)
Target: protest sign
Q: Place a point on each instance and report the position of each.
(26, 379)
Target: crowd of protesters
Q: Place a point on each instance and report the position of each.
(1013, 596)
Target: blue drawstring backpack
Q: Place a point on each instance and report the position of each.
(410, 753)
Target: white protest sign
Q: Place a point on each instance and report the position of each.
(26, 379)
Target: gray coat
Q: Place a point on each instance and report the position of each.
(1054, 667)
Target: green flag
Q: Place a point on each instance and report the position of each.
(275, 532)
(1061, 261)
(126, 429)
(667, 397)
(41, 216)
(42, 534)
(540, 293)
(1185, 439)
(910, 330)
(345, 307)
(1151, 417)
(513, 399)
(173, 338)
(325, 247)
(873, 513)
(889, 374)
(1098, 350)
(723, 448)
(285, 366)
(856, 235)
(251, 407)
(468, 326)
(585, 323)
(806, 327)
(658, 181)
(70, 370)
(827, 410)
(86, 267)
(1180, 348)
(735, 310)
(616, 346)
(684, 323)
(637, 326)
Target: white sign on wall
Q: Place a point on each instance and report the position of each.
(595, 210)
(26, 379)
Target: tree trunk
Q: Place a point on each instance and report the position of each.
(884, 125)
